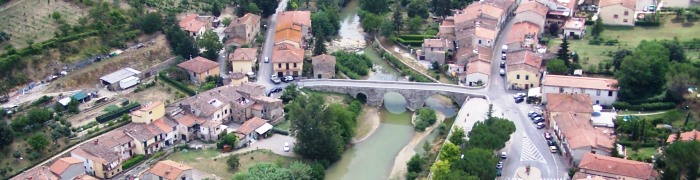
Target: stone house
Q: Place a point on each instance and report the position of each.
(194, 25)
(251, 130)
(242, 60)
(243, 30)
(199, 68)
(523, 36)
(523, 70)
(603, 91)
(532, 11)
(435, 50)
(104, 156)
(288, 62)
(323, 66)
(575, 27)
(617, 12)
(478, 73)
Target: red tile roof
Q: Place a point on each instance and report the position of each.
(580, 82)
(520, 30)
(162, 125)
(244, 54)
(479, 67)
(686, 136)
(579, 132)
(198, 65)
(533, 6)
(580, 103)
(296, 17)
(294, 55)
(524, 60)
(189, 120)
(62, 164)
(190, 23)
(595, 163)
(250, 125)
(631, 4)
(169, 169)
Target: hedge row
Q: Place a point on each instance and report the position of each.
(644, 106)
(413, 43)
(117, 113)
(414, 37)
(177, 85)
(133, 161)
(631, 143)
(280, 131)
(647, 23)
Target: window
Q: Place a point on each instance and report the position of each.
(517, 76)
(610, 93)
(532, 85)
(279, 65)
(287, 64)
(597, 102)
(150, 112)
(561, 90)
(479, 41)
(295, 65)
(597, 92)
(615, 16)
(527, 77)
(624, 20)
(627, 13)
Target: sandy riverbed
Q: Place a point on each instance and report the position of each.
(367, 123)
(399, 169)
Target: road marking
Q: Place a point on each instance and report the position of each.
(530, 152)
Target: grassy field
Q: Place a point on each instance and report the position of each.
(203, 160)
(629, 38)
(29, 20)
(642, 153)
(284, 125)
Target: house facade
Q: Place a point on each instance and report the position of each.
(523, 70)
(252, 129)
(242, 60)
(478, 73)
(533, 12)
(323, 66)
(605, 167)
(434, 50)
(200, 68)
(617, 12)
(243, 30)
(603, 91)
(194, 25)
(288, 62)
(575, 27)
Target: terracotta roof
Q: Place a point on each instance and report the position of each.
(203, 105)
(141, 131)
(584, 176)
(163, 125)
(189, 120)
(198, 65)
(575, 23)
(62, 164)
(580, 82)
(169, 169)
(520, 30)
(427, 43)
(478, 9)
(617, 166)
(288, 34)
(533, 6)
(686, 136)
(244, 54)
(190, 23)
(631, 4)
(295, 55)
(323, 59)
(101, 150)
(250, 125)
(524, 60)
(37, 173)
(580, 103)
(247, 19)
(85, 177)
(579, 132)
(479, 67)
(482, 53)
(296, 17)
(485, 33)
(146, 108)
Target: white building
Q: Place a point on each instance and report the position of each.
(603, 91)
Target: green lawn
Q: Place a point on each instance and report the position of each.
(203, 160)
(629, 37)
(642, 153)
(284, 125)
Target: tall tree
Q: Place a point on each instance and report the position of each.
(414, 24)
(442, 7)
(458, 136)
(397, 17)
(563, 52)
(478, 162)
(683, 157)
(38, 142)
(556, 66)
(371, 22)
(211, 44)
(440, 170)
(597, 27)
(151, 22)
(253, 8)
(216, 9)
(418, 8)
(449, 152)
(640, 74)
(317, 136)
(415, 164)
(679, 76)
(6, 136)
(319, 47)
(268, 7)
(675, 49)
(618, 56)
(181, 43)
(375, 6)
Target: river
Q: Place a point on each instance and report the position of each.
(373, 158)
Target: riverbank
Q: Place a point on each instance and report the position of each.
(399, 169)
(367, 123)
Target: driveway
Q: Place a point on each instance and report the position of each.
(274, 143)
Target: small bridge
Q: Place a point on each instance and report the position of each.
(415, 93)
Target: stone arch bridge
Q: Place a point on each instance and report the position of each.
(415, 93)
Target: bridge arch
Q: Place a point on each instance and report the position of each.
(362, 97)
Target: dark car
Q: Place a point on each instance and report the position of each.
(540, 125)
(503, 64)
(547, 136)
(550, 142)
(538, 120)
(519, 100)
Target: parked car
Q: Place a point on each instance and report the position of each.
(645, 9)
(517, 95)
(504, 48)
(503, 56)
(547, 136)
(275, 79)
(503, 64)
(538, 120)
(503, 155)
(550, 143)
(502, 72)
(499, 165)
(288, 79)
(267, 59)
(553, 149)
(286, 147)
(652, 8)
(533, 116)
(499, 172)
(540, 125)
(519, 100)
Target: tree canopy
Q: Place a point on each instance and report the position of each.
(38, 142)
(478, 162)
(641, 73)
(375, 6)
(318, 136)
(211, 43)
(682, 158)
(6, 136)
(556, 66)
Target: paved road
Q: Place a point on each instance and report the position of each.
(390, 85)
(265, 69)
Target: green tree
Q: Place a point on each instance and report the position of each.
(215, 9)
(301, 171)
(38, 116)
(211, 44)
(597, 28)
(267, 6)
(292, 5)
(678, 78)
(319, 172)
(229, 139)
(458, 136)
(397, 17)
(233, 162)
(563, 52)
(317, 136)
(618, 56)
(449, 152)
(491, 134)
(6, 136)
(640, 73)
(556, 66)
(345, 119)
(440, 170)
(414, 24)
(683, 157)
(427, 146)
(375, 6)
(253, 8)
(151, 22)
(265, 171)
(478, 162)
(371, 22)
(675, 50)
(181, 43)
(38, 142)
(290, 92)
(415, 164)
(441, 7)
(418, 8)
(319, 47)
(56, 15)
(226, 21)
(461, 175)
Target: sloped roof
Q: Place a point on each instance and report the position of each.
(686, 136)
(631, 4)
(575, 23)
(485, 33)
(580, 82)
(169, 169)
(533, 6)
(248, 19)
(191, 24)
(295, 17)
(62, 164)
(294, 55)
(163, 125)
(617, 166)
(198, 65)
(288, 32)
(244, 54)
(524, 60)
(427, 43)
(479, 67)
(119, 75)
(580, 103)
(477, 9)
(251, 124)
(579, 132)
(520, 30)
(323, 60)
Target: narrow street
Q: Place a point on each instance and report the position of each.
(265, 69)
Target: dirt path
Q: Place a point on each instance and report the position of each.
(399, 169)
(367, 123)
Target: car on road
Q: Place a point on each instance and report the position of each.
(275, 79)
(652, 8)
(547, 136)
(538, 120)
(288, 79)
(502, 72)
(533, 116)
(499, 165)
(540, 125)
(503, 56)
(504, 48)
(267, 59)
(553, 149)
(645, 9)
(274, 90)
(499, 172)
(519, 100)
(550, 143)
(503, 155)
(517, 95)
(286, 147)
(503, 64)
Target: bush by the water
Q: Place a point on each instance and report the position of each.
(425, 117)
(352, 64)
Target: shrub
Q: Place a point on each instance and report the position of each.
(644, 106)
(647, 23)
(280, 131)
(133, 161)
(117, 113)
(177, 85)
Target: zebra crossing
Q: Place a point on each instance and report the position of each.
(530, 152)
